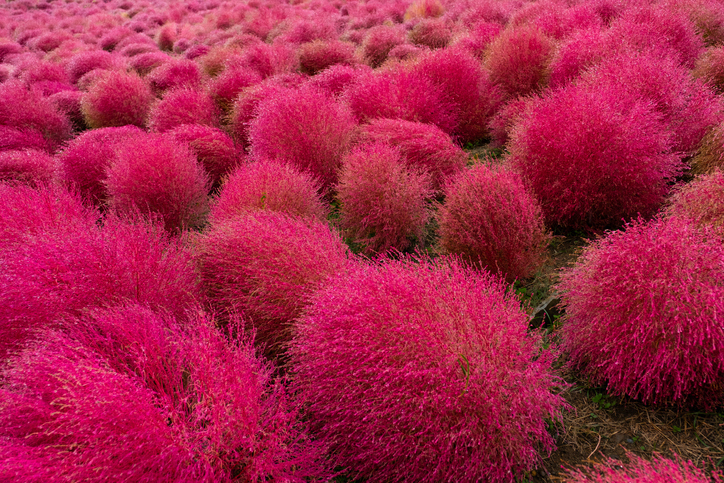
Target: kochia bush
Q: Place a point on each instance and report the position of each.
(490, 219)
(264, 265)
(424, 371)
(214, 149)
(701, 201)
(423, 146)
(268, 185)
(593, 155)
(29, 166)
(148, 400)
(156, 174)
(306, 128)
(643, 306)
(117, 99)
(383, 203)
(183, 106)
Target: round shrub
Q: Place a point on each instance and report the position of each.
(268, 185)
(148, 400)
(214, 149)
(642, 307)
(490, 219)
(68, 104)
(264, 265)
(183, 106)
(701, 201)
(423, 146)
(306, 128)
(432, 33)
(83, 62)
(13, 139)
(318, 55)
(379, 41)
(518, 58)
(710, 68)
(465, 85)
(63, 272)
(639, 470)
(117, 99)
(592, 155)
(710, 156)
(226, 87)
(424, 372)
(399, 94)
(156, 174)
(175, 74)
(86, 157)
(29, 166)
(382, 202)
(337, 78)
(145, 63)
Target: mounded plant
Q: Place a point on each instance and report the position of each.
(419, 370)
(29, 166)
(701, 201)
(214, 149)
(643, 306)
(490, 219)
(117, 99)
(183, 106)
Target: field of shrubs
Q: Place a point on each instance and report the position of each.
(362, 240)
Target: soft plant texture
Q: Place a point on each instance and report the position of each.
(639, 470)
(12, 139)
(84, 62)
(432, 33)
(59, 272)
(517, 60)
(319, 55)
(175, 74)
(85, 158)
(268, 185)
(157, 174)
(424, 371)
(710, 156)
(423, 146)
(117, 99)
(214, 149)
(264, 265)
(183, 106)
(306, 128)
(593, 155)
(710, 68)
(701, 201)
(225, 87)
(643, 307)
(148, 400)
(379, 41)
(29, 166)
(383, 203)
(490, 219)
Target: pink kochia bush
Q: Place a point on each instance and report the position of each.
(268, 185)
(264, 265)
(60, 272)
(148, 399)
(29, 166)
(214, 149)
(424, 371)
(490, 219)
(423, 146)
(593, 155)
(643, 309)
(117, 99)
(157, 174)
(382, 201)
(183, 106)
(306, 128)
(639, 470)
(701, 201)
(86, 157)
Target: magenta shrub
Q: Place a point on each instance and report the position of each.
(490, 219)
(264, 265)
(226, 87)
(423, 146)
(29, 166)
(518, 58)
(399, 94)
(183, 106)
(639, 470)
(701, 201)
(424, 371)
(306, 128)
(86, 157)
(710, 68)
(478, 37)
(434, 33)
(581, 50)
(383, 203)
(593, 155)
(59, 272)
(83, 62)
(379, 41)
(642, 307)
(268, 185)
(146, 62)
(148, 400)
(318, 55)
(174, 74)
(18, 139)
(117, 99)
(337, 78)
(459, 76)
(157, 174)
(68, 104)
(505, 119)
(245, 108)
(214, 149)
